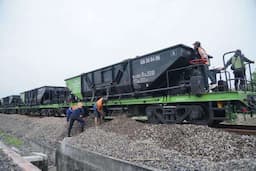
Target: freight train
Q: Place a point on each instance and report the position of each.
(46, 100)
(168, 86)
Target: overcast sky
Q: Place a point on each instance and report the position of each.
(43, 42)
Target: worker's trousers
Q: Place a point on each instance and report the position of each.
(71, 123)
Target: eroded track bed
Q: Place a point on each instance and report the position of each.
(167, 147)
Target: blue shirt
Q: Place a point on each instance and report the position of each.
(68, 113)
(95, 107)
(76, 113)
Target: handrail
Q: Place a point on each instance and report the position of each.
(224, 63)
(250, 70)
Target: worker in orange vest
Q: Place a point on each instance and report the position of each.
(201, 53)
(98, 111)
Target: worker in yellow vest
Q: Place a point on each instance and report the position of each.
(237, 63)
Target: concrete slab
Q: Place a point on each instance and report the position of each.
(17, 159)
(69, 158)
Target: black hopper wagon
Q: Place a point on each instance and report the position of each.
(47, 100)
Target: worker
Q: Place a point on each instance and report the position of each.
(98, 111)
(201, 53)
(75, 115)
(68, 113)
(237, 63)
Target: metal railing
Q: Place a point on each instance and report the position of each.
(249, 85)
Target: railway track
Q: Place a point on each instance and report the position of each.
(239, 129)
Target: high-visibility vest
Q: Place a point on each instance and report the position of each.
(203, 55)
(99, 105)
(236, 62)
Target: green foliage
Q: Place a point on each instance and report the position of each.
(10, 140)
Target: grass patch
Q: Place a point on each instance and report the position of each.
(10, 140)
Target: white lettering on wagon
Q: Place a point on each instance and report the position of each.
(149, 59)
(143, 76)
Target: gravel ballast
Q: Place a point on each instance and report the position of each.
(170, 147)
(167, 147)
(48, 131)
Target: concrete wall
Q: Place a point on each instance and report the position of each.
(69, 158)
(22, 163)
(50, 151)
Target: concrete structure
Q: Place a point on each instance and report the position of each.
(38, 159)
(49, 151)
(69, 158)
(17, 159)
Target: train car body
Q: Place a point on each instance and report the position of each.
(11, 101)
(46, 100)
(142, 73)
(45, 95)
(164, 85)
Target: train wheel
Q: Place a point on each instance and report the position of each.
(155, 114)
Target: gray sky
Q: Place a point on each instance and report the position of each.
(43, 42)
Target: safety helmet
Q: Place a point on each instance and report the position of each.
(238, 52)
(197, 43)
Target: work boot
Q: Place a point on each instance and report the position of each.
(212, 86)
